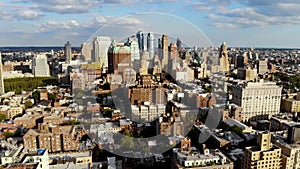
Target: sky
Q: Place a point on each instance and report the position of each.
(240, 23)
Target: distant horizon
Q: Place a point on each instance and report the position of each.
(240, 47)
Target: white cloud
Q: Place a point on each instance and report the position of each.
(52, 25)
(29, 15)
(249, 13)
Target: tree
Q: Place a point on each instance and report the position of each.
(8, 134)
(36, 96)
(127, 142)
(2, 117)
(236, 129)
(51, 96)
(28, 104)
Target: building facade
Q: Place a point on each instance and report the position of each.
(265, 155)
(259, 100)
(40, 67)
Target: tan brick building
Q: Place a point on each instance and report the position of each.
(265, 155)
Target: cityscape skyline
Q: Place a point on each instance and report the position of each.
(239, 23)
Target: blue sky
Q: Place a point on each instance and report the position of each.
(241, 23)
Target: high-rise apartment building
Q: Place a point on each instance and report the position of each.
(40, 67)
(68, 52)
(1, 76)
(101, 45)
(223, 56)
(259, 100)
(265, 155)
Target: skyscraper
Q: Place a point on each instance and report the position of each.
(134, 48)
(150, 45)
(140, 38)
(1, 76)
(68, 52)
(100, 49)
(40, 67)
(165, 54)
(223, 56)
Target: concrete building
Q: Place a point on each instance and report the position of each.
(100, 48)
(129, 76)
(86, 51)
(38, 159)
(259, 100)
(147, 113)
(262, 67)
(68, 52)
(246, 74)
(223, 58)
(290, 154)
(290, 105)
(190, 157)
(13, 155)
(40, 67)
(265, 155)
(14, 111)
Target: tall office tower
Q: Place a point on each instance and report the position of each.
(134, 48)
(100, 49)
(40, 67)
(142, 41)
(223, 56)
(1, 76)
(150, 45)
(165, 52)
(119, 58)
(265, 155)
(259, 100)
(86, 51)
(68, 52)
(262, 67)
(178, 43)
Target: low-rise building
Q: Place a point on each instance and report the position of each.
(190, 157)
